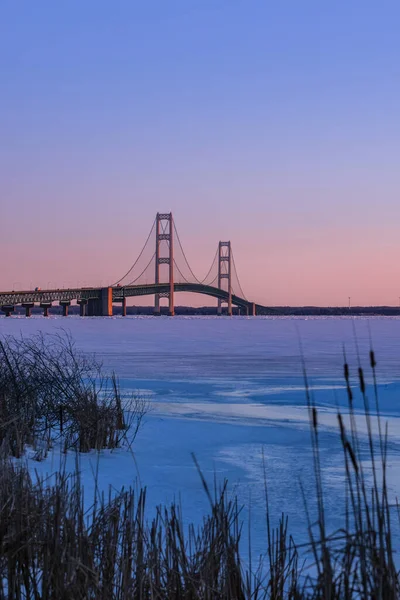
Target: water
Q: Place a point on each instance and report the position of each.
(224, 389)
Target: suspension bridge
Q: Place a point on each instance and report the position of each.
(161, 270)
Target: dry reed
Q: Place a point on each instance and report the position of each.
(52, 548)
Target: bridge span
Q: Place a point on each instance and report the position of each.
(97, 301)
(168, 270)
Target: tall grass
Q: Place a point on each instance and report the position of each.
(358, 560)
(52, 547)
(50, 392)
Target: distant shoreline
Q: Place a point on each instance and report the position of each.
(287, 311)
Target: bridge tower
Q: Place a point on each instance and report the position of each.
(225, 272)
(165, 232)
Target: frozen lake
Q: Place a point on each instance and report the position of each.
(226, 388)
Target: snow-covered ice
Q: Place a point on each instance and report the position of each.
(226, 388)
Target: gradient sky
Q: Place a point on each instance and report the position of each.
(272, 124)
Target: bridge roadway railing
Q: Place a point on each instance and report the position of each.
(119, 293)
(42, 296)
(163, 288)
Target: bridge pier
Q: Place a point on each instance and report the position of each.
(251, 309)
(82, 307)
(93, 307)
(45, 306)
(229, 311)
(124, 306)
(28, 308)
(106, 309)
(65, 306)
(8, 309)
(98, 307)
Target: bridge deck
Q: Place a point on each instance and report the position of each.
(13, 298)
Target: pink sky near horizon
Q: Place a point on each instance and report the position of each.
(277, 128)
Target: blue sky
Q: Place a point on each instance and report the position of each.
(275, 125)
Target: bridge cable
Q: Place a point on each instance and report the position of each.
(213, 281)
(210, 269)
(237, 277)
(180, 272)
(184, 255)
(187, 281)
(139, 276)
(136, 261)
(187, 262)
